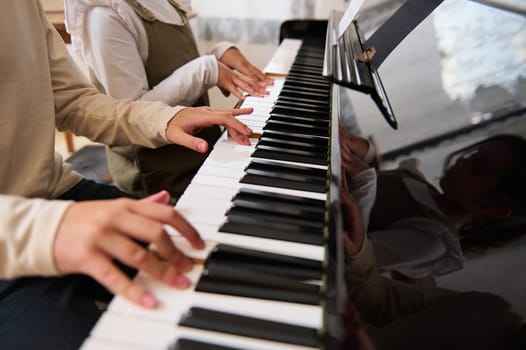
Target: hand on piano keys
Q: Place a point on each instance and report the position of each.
(262, 211)
(186, 122)
(89, 248)
(238, 75)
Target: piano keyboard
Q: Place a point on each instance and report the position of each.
(263, 213)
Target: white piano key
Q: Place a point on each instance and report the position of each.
(260, 115)
(122, 331)
(253, 119)
(105, 344)
(253, 124)
(261, 109)
(212, 192)
(208, 205)
(257, 101)
(231, 154)
(212, 236)
(233, 183)
(199, 216)
(219, 171)
(284, 56)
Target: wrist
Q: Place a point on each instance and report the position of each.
(171, 127)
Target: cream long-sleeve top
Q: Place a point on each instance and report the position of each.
(110, 37)
(41, 89)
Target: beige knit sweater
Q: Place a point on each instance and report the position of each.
(41, 89)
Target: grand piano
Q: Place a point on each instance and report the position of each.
(272, 274)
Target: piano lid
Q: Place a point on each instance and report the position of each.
(353, 62)
(515, 6)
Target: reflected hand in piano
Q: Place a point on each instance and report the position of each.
(420, 234)
(408, 316)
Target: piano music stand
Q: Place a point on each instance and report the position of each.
(353, 62)
(348, 63)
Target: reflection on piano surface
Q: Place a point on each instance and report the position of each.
(266, 214)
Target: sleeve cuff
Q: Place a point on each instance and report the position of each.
(50, 217)
(220, 48)
(363, 261)
(164, 119)
(368, 157)
(363, 178)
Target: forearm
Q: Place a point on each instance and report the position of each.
(28, 229)
(220, 48)
(381, 300)
(115, 122)
(186, 84)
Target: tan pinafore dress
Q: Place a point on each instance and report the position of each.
(394, 201)
(144, 170)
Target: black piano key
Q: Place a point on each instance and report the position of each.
(314, 95)
(305, 66)
(275, 264)
(290, 155)
(321, 142)
(300, 110)
(294, 119)
(315, 75)
(309, 48)
(189, 344)
(276, 141)
(305, 69)
(324, 92)
(307, 78)
(293, 170)
(300, 115)
(306, 95)
(297, 128)
(249, 194)
(299, 208)
(311, 106)
(249, 327)
(224, 279)
(265, 173)
(296, 99)
(274, 180)
(303, 88)
(288, 168)
(270, 214)
(309, 60)
(292, 82)
(298, 125)
(291, 145)
(277, 231)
